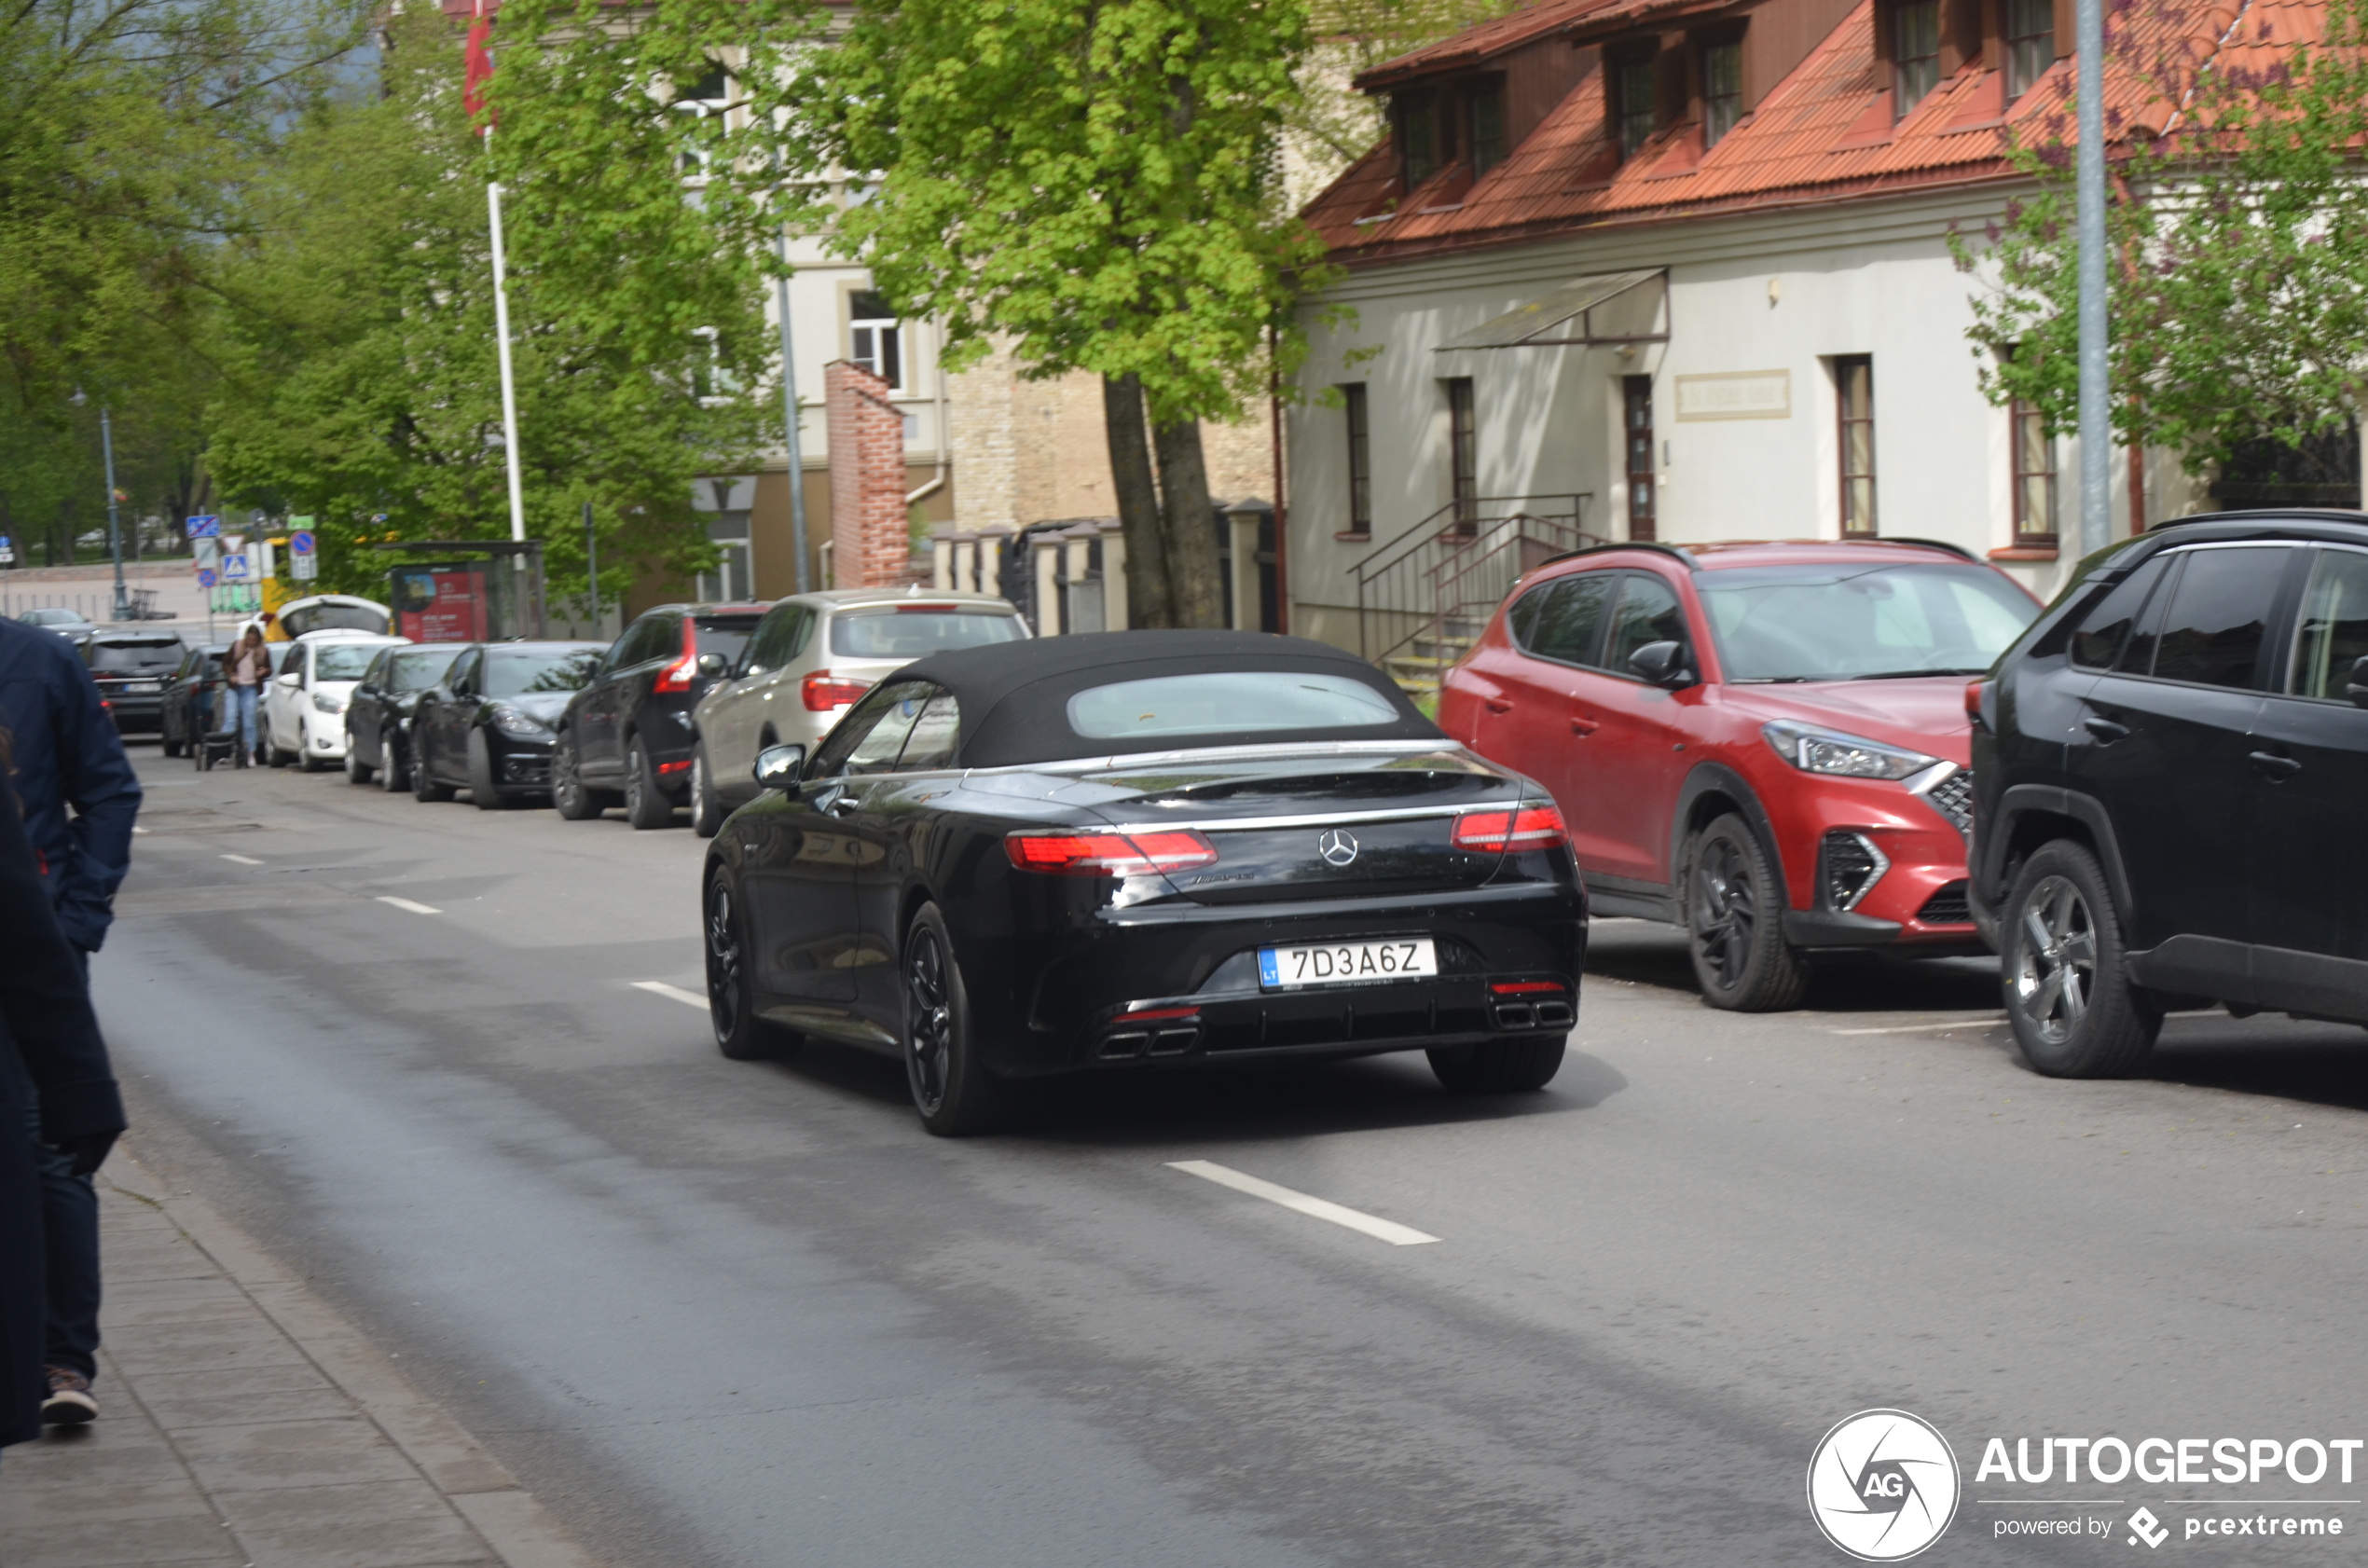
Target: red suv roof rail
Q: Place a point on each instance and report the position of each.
(1672, 551)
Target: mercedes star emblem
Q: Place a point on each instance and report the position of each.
(1338, 847)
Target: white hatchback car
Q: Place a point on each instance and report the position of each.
(807, 661)
(304, 705)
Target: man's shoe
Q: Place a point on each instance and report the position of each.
(69, 1403)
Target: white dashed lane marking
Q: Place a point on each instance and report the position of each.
(243, 860)
(671, 992)
(406, 903)
(1382, 1230)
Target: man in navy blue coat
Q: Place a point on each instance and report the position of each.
(80, 797)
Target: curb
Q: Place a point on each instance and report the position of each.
(519, 1530)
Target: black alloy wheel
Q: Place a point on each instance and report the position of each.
(645, 804)
(731, 990)
(707, 811)
(393, 775)
(1504, 1067)
(488, 795)
(952, 1090)
(1732, 909)
(423, 785)
(2068, 998)
(569, 796)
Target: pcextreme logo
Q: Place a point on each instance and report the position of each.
(1882, 1485)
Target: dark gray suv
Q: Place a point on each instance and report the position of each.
(2172, 767)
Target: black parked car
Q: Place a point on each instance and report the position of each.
(131, 668)
(486, 726)
(186, 709)
(378, 713)
(1128, 850)
(627, 738)
(2171, 767)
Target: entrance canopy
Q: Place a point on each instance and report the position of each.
(1605, 308)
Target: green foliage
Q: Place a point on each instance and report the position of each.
(1092, 180)
(364, 379)
(2238, 236)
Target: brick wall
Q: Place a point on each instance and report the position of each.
(870, 544)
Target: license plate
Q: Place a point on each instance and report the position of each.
(1347, 963)
(144, 686)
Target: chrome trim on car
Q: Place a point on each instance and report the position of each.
(1316, 819)
(1242, 753)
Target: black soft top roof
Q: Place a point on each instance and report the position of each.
(1014, 695)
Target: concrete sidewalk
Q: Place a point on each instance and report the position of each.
(245, 1423)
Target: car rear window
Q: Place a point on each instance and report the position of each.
(335, 617)
(913, 631)
(126, 658)
(517, 675)
(1226, 702)
(724, 635)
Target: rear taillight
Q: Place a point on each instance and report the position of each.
(676, 677)
(1109, 854)
(821, 692)
(1532, 827)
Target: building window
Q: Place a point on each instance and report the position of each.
(2034, 453)
(1488, 128)
(1463, 456)
(875, 339)
(1418, 128)
(1854, 389)
(2031, 44)
(1915, 51)
(1636, 106)
(1723, 89)
(712, 380)
(1360, 460)
(1636, 393)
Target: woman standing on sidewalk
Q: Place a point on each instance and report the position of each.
(50, 1046)
(245, 670)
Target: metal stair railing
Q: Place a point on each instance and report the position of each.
(1445, 577)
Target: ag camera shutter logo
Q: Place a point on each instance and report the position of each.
(1882, 1485)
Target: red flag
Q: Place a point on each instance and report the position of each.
(479, 69)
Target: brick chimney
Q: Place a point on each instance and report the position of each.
(870, 544)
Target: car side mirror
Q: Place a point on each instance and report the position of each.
(713, 664)
(1662, 664)
(2357, 687)
(777, 767)
(291, 679)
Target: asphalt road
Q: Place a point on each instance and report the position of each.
(740, 1313)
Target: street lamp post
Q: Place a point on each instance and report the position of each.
(115, 519)
(2088, 189)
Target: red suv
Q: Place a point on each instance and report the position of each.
(1766, 743)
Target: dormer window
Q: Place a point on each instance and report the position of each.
(2031, 44)
(1915, 49)
(1418, 132)
(1723, 89)
(1633, 96)
(1487, 105)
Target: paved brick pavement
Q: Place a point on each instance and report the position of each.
(245, 1423)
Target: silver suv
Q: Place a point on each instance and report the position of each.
(808, 661)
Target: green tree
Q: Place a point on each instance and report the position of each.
(2239, 232)
(1094, 182)
(363, 385)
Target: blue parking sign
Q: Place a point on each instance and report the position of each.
(300, 543)
(206, 527)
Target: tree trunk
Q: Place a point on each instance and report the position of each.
(1198, 594)
(1149, 600)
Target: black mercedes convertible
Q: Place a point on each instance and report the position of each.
(1130, 851)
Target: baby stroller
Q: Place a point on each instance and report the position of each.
(211, 745)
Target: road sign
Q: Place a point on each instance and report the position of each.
(206, 527)
(306, 567)
(237, 568)
(7, 551)
(206, 578)
(300, 543)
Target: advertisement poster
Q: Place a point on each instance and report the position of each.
(441, 603)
